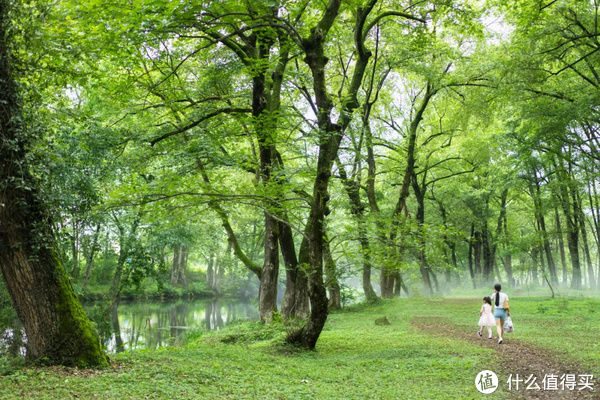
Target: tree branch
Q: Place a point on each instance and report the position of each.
(229, 110)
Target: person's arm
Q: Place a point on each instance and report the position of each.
(481, 310)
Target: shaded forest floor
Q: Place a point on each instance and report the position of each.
(430, 350)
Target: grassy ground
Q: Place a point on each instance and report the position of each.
(354, 359)
(567, 326)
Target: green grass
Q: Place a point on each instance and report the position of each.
(354, 359)
(567, 326)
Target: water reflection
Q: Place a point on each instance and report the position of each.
(151, 325)
(12, 341)
(133, 325)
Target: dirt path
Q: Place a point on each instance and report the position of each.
(517, 358)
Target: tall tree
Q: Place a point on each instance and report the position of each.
(56, 326)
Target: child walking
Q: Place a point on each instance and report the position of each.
(486, 318)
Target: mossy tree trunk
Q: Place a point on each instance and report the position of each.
(58, 331)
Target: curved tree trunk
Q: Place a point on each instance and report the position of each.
(56, 326)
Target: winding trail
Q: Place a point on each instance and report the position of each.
(516, 357)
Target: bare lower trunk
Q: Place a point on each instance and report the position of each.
(75, 250)
(209, 272)
(295, 298)
(386, 282)
(267, 297)
(470, 256)
(331, 282)
(539, 214)
(585, 245)
(178, 272)
(357, 209)
(176, 261)
(534, 265)
(561, 247)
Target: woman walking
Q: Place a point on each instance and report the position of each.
(501, 309)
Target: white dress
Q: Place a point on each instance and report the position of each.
(487, 318)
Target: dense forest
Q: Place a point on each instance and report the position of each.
(306, 154)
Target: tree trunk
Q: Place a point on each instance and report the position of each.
(584, 242)
(426, 273)
(295, 298)
(470, 255)
(542, 262)
(210, 273)
(267, 296)
(507, 261)
(89, 258)
(477, 255)
(75, 250)
(593, 198)
(177, 255)
(488, 264)
(534, 265)
(572, 219)
(539, 215)
(178, 272)
(357, 209)
(57, 329)
(329, 142)
(219, 273)
(125, 244)
(183, 268)
(331, 280)
(396, 220)
(449, 243)
(561, 247)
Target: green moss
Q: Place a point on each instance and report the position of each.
(78, 343)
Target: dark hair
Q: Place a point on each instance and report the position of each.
(487, 300)
(497, 286)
